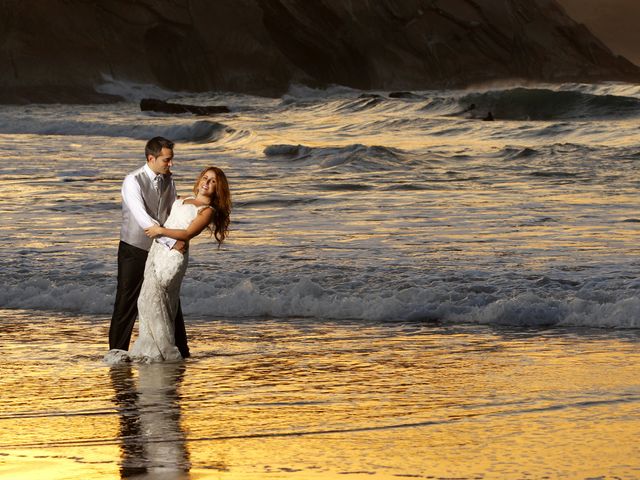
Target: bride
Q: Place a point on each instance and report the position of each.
(209, 208)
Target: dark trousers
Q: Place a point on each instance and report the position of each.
(131, 262)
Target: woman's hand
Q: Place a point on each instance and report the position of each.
(154, 231)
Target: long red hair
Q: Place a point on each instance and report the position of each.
(221, 203)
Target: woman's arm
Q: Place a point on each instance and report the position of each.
(195, 227)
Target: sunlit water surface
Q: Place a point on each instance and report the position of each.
(407, 291)
(299, 399)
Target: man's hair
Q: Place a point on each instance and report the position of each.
(155, 145)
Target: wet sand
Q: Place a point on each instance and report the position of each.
(287, 399)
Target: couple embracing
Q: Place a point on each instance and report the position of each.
(153, 254)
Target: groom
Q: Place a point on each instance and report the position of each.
(147, 196)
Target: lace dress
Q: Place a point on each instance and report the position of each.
(159, 297)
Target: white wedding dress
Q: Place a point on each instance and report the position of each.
(159, 297)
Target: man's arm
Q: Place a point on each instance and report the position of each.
(132, 196)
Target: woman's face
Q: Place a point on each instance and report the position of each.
(207, 184)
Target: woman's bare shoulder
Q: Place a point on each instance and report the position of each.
(205, 210)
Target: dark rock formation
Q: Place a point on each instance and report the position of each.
(155, 105)
(262, 46)
(404, 95)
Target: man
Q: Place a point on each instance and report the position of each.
(147, 196)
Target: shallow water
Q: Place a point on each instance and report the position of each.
(360, 321)
(302, 399)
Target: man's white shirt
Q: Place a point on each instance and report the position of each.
(132, 196)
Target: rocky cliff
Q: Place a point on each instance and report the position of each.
(59, 50)
(615, 22)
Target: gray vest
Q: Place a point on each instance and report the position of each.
(157, 205)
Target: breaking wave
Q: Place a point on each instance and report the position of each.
(568, 102)
(201, 131)
(355, 156)
(546, 104)
(303, 297)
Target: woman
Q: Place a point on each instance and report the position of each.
(209, 208)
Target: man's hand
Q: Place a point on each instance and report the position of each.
(180, 246)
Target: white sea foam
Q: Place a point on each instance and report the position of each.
(306, 298)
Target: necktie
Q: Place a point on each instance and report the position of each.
(157, 183)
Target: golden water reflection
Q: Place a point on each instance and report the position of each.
(308, 399)
(152, 439)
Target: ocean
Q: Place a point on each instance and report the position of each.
(389, 209)
(407, 290)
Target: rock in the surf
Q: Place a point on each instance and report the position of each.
(156, 105)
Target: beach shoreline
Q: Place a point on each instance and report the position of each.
(305, 398)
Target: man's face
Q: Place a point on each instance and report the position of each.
(161, 165)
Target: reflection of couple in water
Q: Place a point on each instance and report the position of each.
(152, 439)
(153, 254)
